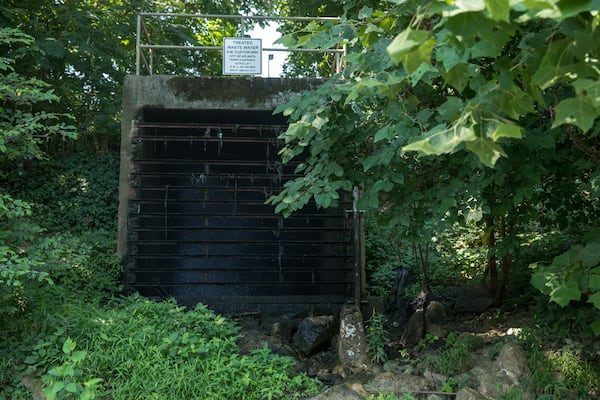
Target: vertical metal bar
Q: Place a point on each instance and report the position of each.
(363, 258)
(137, 44)
(242, 26)
(356, 231)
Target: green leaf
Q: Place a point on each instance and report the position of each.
(596, 326)
(288, 40)
(441, 140)
(385, 133)
(557, 62)
(588, 88)
(563, 295)
(515, 102)
(422, 55)
(458, 76)
(68, 346)
(507, 131)
(407, 41)
(578, 111)
(538, 280)
(320, 121)
(365, 12)
(451, 55)
(570, 8)
(77, 356)
(451, 109)
(487, 150)
(590, 255)
(499, 10)
(71, 387)
(595, 300)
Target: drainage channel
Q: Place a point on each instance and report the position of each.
(200, 231)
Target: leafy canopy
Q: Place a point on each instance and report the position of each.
(450, 111)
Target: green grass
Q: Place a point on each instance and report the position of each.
(144, 349)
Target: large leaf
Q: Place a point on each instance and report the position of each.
(595, 300)
(578, 111)
(557, 62)
(421, 55)
(407, 41)
(499, 10)
(563, 295)
(487, 150)
(503, 130)
(442, 140)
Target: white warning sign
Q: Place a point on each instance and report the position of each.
(242, 56)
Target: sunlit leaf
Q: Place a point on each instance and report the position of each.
(407, 41)
(507, 131)
(499, 10)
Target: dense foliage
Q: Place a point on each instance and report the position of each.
(89, 47)
(471, 113)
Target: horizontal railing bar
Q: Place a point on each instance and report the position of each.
(224, 139)
(284, 49)
(186, 125)
(240, 17)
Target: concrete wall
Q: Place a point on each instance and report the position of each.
(192, 93)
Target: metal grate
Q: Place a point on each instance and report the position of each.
(199, 228)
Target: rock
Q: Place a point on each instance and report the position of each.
(468, 393)
(283, 328)
(389, 382)
(253, 339)
(435, 396)
(342, 392)
(513, 361)
(436, 330)
(415, 330)
(314, 333)
(34, 385)
(436, 313)
(352, 343)
(508, 373)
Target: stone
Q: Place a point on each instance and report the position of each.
(352, 342)
(436, 330)
(468, 393)
(253, 339)
(389, 382)
(435, 396)
(34, 385)
(509, 372)
(415, 330)
(436, 313)
(513, 361)
(346, 391)
(283, 328)
(314, 333)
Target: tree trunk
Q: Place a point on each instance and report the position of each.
(491, 268)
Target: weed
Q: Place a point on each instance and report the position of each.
(455, 356)
(144, 349)
(377, 338)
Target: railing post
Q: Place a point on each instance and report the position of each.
(137, 44)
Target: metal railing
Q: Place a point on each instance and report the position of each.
(149, 47)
